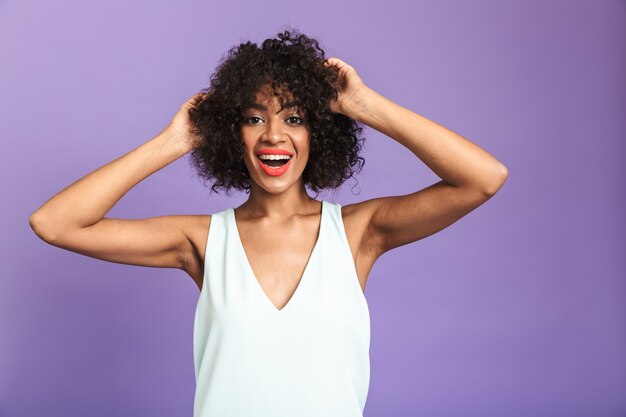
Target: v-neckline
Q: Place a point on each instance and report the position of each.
(251, 273)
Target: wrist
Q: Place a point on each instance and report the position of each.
(173, 142)
(359, 103)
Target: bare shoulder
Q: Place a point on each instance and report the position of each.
(197, 232)
(365, 245)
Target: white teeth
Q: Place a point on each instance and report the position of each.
(274, 157)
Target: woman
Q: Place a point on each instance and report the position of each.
(281, 325)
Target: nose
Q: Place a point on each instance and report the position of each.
(273, 132)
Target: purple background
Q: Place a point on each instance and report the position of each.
(518, 309)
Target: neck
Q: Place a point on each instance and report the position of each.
(293, 201)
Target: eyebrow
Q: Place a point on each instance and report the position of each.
(288, 105)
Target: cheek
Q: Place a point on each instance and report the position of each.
(303, 142)
(245, 144)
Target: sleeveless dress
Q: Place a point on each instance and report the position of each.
(308, 359)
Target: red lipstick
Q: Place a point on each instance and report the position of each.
(274, 171)
(270, 151)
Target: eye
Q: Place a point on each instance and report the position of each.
(299, 120)
(250, 118)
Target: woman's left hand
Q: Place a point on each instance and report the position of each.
(350, 88)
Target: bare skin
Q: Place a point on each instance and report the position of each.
(74, 219)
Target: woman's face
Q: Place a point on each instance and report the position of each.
(271, 132)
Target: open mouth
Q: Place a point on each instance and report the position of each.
(274, 163)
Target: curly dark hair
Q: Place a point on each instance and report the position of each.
(293, 65)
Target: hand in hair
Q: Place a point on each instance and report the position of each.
(349, 85)
(180, 125)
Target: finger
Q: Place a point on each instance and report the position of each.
(197, 98)
(193, 101)
(331, 61)
(335, 61)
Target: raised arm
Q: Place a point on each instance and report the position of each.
(73, 219)
(470, 175)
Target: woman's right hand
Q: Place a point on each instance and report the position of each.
(180, 125)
